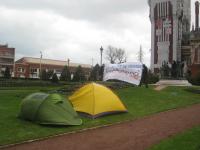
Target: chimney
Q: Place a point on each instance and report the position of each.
(196, 15)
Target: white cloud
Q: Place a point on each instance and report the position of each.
(75, 29)
(59, 37)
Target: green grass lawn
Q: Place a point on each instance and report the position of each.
(189, 140)
(139, 101)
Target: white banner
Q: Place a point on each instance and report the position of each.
(128, 72)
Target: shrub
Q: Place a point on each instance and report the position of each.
(49, 74)
(55, 78)
(194, 80)
(22, 82)
(7, 74)
(94, 76)
(152, 78)
(65, 75)
(79, 75)
(44, 75)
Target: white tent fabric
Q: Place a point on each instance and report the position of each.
(128, 72)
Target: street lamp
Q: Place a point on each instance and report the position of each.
(40, 64)
(68, 61)
(92, 62)
(101, 51)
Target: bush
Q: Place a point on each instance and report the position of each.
(55, 78)
(152, 78)
(116, 84)
(94, 76)
(7, 74)
(65, 75)
(79, 75)
(22, 82)
(49, 74)
(194, 80)
(44, 75)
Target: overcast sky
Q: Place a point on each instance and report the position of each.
(75, 29)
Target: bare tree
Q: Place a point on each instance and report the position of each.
(121, 55)
(111, 54)
(140, 54)
(115, 55)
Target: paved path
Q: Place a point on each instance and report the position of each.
(135, 135)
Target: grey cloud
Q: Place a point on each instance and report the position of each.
(121, 23)
(26, 36)
(98, 10)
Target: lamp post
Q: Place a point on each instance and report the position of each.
(68, 61)
(101, 51)
(40, 65)
(92, 62)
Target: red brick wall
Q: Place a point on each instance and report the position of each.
(27, 68)
(7, 57)
(5, 51)
(25, 73)
(158, 25)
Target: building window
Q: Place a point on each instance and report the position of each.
(33, 70)
(20, 69)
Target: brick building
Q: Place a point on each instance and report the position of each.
(191, 45)
(28, 67)
(7, 57)
(169, 20)
(171, 37)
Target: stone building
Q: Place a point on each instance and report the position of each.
(170, 19)
(7, 57)
(191, 45)
(28, 67)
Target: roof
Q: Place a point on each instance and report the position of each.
(32, 60)
(6, 46)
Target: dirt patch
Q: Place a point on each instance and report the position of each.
(160, 87)
(134, 135)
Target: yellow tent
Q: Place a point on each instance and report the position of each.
(96, 100)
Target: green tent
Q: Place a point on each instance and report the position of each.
(50, 109)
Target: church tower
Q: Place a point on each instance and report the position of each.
(169, 20)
